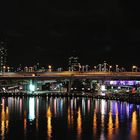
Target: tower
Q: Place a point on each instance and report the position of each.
(3, 56)
(73, 63)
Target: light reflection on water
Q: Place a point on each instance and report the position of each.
(68, 118)
(49, 124)
(31, 109)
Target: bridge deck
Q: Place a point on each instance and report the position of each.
(69, 74)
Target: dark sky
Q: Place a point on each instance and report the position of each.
(51, 31)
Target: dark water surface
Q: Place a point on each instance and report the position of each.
(38, 118)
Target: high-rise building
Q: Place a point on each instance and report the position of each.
(73, 63)
(3, 56)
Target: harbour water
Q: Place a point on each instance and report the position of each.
(56, 118)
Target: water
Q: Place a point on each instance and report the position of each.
(68, 119)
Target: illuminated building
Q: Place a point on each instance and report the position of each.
(74, 65)
(36, 67)
(3, 56)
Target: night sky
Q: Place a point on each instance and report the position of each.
(52, 31)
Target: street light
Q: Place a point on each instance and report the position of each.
(110, 67)
(50, 68)
(87, 66)
(95, 68)
(80, 67)
(117, 69)
(100, 67)
(83, 68)
(134, 68)
(8, 69)
(4, 68)
(104, 66)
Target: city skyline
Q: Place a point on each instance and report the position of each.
(62, 61)
(69, 70)
(49, 34)
(72, 64)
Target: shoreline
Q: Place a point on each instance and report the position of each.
(130, 98)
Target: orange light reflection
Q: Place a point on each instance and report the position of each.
(134, 125)
(110, 126)
(94, 123)
(49, 125)
(79, 124)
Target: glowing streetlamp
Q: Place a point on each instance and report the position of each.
(95, 68)
(87, 68)
(50, 68)
(83, 68)
(134, 68)
(80, 67)
(33, 74)
(117, 69)
(4, 68)
(100, 67)
(105, 66)
(8, 69)
(110, 67)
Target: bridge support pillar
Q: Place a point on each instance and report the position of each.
(70, 81)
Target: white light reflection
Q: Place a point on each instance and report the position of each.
(31, 109)
(103, 107)
(75, 103)
(71, 104)
(61, 106)
(88, 103)
(37, 112)
(55, 107)
(83, 106)
(20, 104)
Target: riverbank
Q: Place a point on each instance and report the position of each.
(131, 98)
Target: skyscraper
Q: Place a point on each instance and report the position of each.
(73, 63)
(3, 56)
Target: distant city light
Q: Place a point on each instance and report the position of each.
(49, 66)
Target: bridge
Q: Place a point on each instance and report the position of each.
(71, 75)
(41, 80)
